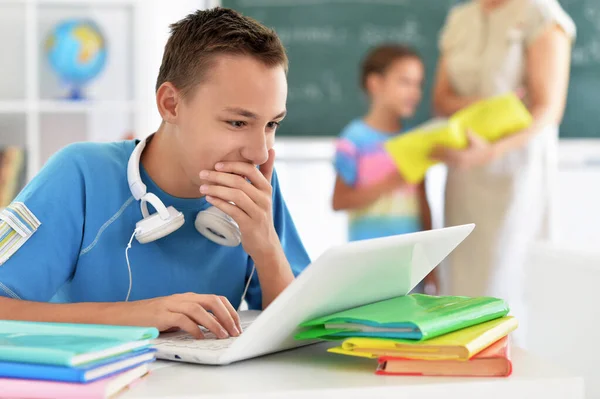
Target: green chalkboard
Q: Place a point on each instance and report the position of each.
(326, 40)
(582, 115)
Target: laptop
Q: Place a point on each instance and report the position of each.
(346, 276)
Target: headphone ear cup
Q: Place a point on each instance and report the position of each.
(154, 227)
(218, 227)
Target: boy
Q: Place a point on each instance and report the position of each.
(368, 184)
(221, 92)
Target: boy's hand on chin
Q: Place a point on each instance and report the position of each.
(250, 190)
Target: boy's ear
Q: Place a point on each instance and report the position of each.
(167, 99)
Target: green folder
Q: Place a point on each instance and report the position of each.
(68, 344)
(416, 317)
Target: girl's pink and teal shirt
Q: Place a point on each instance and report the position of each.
(361, 161)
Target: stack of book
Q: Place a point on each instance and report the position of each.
(60, 360)
(424, 335)
(12, 173)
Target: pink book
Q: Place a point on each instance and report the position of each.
(12, 388)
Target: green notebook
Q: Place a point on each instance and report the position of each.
(416, 316)
(68, 344)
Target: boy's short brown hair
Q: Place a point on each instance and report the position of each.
(379, 59)
(199, 37)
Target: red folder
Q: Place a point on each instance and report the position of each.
(494, 361)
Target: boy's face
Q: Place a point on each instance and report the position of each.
(400, 88)
(232, 115)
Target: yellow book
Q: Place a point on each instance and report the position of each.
(495, 117)
(458, 345)
(492, 119)
(410, 151)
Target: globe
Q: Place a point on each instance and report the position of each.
(76, 51)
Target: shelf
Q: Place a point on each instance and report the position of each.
(13, 107)
(58, 107)
(33, 110)
(77, 3)
(13, 130)
(94, 3)
(12, 47)
(50, 106)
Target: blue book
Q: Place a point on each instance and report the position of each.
(82, 374)
(63, 344)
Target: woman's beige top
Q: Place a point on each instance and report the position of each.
(486, 53)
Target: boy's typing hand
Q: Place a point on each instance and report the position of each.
(186, 312)
(250, 190)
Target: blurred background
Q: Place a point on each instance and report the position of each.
(75, 70)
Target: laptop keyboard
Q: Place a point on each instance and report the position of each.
(210, 341)
(186, 341)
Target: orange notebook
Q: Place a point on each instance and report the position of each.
(494, 361)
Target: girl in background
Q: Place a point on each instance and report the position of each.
(368, 186)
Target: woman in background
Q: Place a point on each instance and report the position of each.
(379, 202)
(491, 47)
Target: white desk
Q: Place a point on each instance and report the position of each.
(314, 373)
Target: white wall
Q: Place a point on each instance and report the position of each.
(307, 178)
(306, 175)
(578, 194)
(154, 31)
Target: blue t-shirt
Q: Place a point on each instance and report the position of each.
(361, 160)
(86, 216)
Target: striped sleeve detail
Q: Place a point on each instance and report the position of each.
(345, 161)
(8, 291)
(17, 225)
(374, 167)
(346, 147)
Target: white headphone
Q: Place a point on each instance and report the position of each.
(212, 223)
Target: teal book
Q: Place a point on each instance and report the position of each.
(415, 317)
(64, 344)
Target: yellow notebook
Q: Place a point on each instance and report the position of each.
(494, 117)
(458, 345)
(491, 119)
(410, 151)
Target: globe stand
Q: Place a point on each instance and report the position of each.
(76, 94)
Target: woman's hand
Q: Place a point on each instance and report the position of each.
(478, 153)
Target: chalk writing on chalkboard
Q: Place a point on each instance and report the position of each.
(587, 50)
(326, 88)
(587, 54)
(312, 34)
(408, 32)
(293, 3)
(592, 14)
